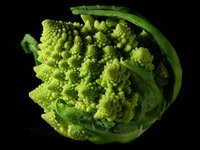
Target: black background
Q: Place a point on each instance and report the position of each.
(24, 126)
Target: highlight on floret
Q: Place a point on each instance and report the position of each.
(100, 79)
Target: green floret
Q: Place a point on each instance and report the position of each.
(88, 27)
(109, 53)
(91, 52)
(101, 39)
(72, 76)
(90, 69)
(43, 72)
(88, 91)
(101, 26)
(115, 76)
(50, 118)
(124, 36)
(143, 58)
(101, 80)
(162, 74)
(115, 104)
(69, 93)
(76, 132)
(44, 97)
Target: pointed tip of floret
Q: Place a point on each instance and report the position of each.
(47, 23)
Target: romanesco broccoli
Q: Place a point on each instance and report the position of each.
(99, 82)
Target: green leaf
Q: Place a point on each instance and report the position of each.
(98, 134)
(70, 114)
(150, 94)
(101, 7)
(30, 45)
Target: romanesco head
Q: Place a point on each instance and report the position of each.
(83, 75)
